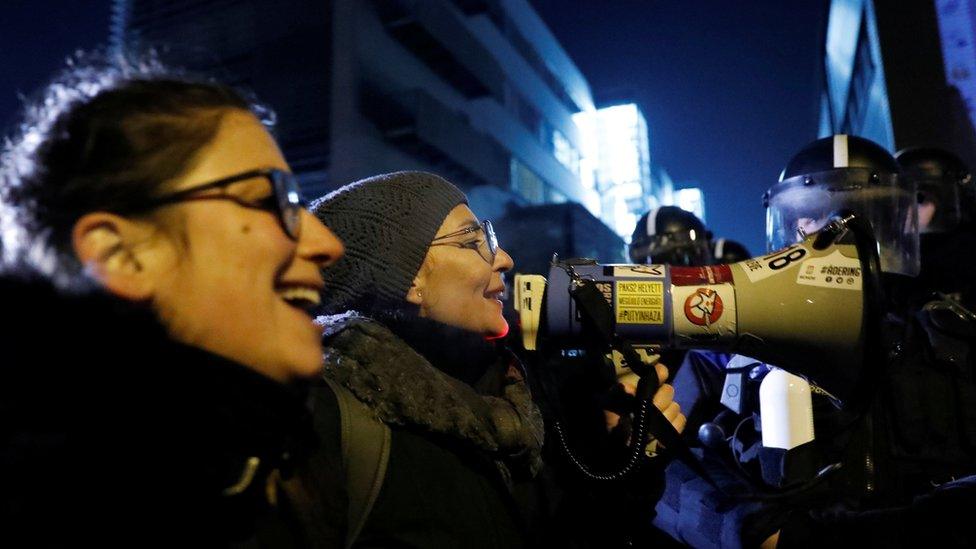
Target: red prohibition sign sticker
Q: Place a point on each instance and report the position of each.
(704, 307)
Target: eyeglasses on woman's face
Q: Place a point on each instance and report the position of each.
(284, 200)
(486, 247)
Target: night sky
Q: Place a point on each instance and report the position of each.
(35, 38)
(729, 89)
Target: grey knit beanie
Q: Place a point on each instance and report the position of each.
(387, 223)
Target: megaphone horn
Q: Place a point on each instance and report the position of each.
(807, 308)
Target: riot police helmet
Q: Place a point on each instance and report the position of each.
(944, 182)
(725, 250)
(839, 175)
(670, 235)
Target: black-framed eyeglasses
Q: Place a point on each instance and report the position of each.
(285, 200)
(487, 248)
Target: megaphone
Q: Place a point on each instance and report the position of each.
(810, 308)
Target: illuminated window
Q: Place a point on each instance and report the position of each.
(692, 200)
(556, 197)
(564, 151)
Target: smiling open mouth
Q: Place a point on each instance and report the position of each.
(300, 297)
(496, 294)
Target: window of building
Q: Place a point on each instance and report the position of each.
(555, 196)
(565, 152)
(527, 184)
(546, 135)
(524, 111)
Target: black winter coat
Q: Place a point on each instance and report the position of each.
(442, 487)
(111, 434)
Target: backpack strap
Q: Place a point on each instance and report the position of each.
(365, 455)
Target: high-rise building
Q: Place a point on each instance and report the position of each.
(615, 145)
(476, 90)
(620, 179)
(901, 73)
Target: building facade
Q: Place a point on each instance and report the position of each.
(901, 73)
(476, 90)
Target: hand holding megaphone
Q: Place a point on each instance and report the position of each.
(663, 399)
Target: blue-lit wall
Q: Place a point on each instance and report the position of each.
(957, 30)
(902, 73)
(525, 114)
(855, 99)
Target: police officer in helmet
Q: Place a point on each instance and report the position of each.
(945, 190)
(671, 235)
(726, 250)
(846, 174)
(891, 467)
(943, 182)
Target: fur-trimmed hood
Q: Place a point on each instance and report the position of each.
(406, 384)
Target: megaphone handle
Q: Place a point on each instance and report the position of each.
(648, 419)
(595, 309)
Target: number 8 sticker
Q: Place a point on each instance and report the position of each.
(786, 257)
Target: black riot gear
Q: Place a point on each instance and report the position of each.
(890, 472)
(670, 235)
(944, 187)
(729, 251)
(846, 174)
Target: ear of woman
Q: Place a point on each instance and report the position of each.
(112, 249)
(415, 295)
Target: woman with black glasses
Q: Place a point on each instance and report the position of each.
(159, 270)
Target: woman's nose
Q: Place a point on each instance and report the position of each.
(318, 243)
(503, 261)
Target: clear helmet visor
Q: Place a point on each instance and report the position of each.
(938, 206)
(804, 204)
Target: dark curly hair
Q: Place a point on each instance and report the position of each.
(105, 135)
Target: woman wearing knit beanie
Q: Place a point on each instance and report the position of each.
(411, 310)
(411, 347)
